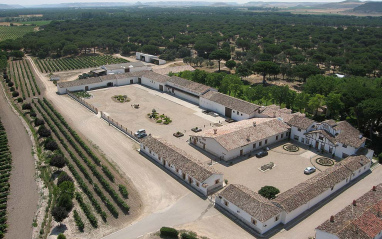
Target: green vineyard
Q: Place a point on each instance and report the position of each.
(14, 32)
(66, 64)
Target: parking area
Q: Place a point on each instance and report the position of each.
(289, 166)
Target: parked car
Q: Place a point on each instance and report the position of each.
(310, 170)
(140, 131)
(142, 135)
(261, 154)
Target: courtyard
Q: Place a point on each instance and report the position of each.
(289, 166)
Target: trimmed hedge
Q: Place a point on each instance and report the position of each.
(79, 223)
(123, 191)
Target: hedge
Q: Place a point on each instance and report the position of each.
(169, 232)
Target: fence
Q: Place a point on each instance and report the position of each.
(118, 126)
(84, 103)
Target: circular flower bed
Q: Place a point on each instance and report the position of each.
(291, 147)
(121, 98)
(325, 161)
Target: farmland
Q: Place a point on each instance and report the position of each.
(5, 169)
(65, 64)
(102, 196)
(14, 32)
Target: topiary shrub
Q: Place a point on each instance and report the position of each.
(20, 100)
(61, 236)
(269, 192)
(43, 131)
(15, 94)
(38, 122)
(64, 177)
(27, 106)
(57, 161)
(186, 235)
(10, 84)
(12, 89)
(50, 144)
(169, 232)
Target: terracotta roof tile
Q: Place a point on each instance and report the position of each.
(189, 85)
(300, 122)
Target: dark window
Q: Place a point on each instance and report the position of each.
(260, 143)
(254, 145)
(266, 141)
(277, 137)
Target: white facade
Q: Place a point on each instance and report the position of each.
(254, 223)
(149, 58)
(213, 182)
(221, 109)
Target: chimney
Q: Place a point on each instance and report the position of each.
(331, 218)
(215, 131)
(254, 123)
(374, 188)
(354, 203)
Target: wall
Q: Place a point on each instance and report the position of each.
(84, 103)
(151, 83)
(183, 96)
(237, 115)
(324, 235)
(212, 106)
(119, 126)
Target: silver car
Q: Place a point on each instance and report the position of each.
(310, 170)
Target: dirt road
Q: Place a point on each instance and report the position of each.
(23, 198)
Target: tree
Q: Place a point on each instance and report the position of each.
(59, 214)
(58, 161)
(230, 83)
(61, 236)
(50, 144)
(63, 177)
(305, 70)
(334, 104)
(43, 131)
(266, 67)
(316, 102)
(150, 49)
(220, 55)
(301, 101)
(269, 192)
(243, 70)
(70, 49)
(38, 122)
(230, 64)
(245, 44)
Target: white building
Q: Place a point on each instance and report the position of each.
(184, 166)
(125, 67)
(248, 206)
(149, 58)
(240, 138)
(228, 106)
(338, 138)
(361, 219)
(251, 208)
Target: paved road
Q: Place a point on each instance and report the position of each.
(23, 198)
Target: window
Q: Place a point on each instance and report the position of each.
(299, 129)
(260, 143)
(226, 203)
(344, 145)
(277, 137)
(296, 137)
(237, 112)
(254, 222)
(241, 114)
(266, 141)
(217, 181)
(150, 151)
(359, 170)
(332, 188)
(197, 184)
(254, 145)
(282, 135)
(144, 147)
(277, 218)
(321, 138)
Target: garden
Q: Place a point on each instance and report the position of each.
(120, 98)
(159, 118)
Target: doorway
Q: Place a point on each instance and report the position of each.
(228, 112)
(131, 81)
(160, 87)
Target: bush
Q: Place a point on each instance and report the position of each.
(61, 236)
(15, 94)
(59, 214)
(57, 161)
(50, 144)
(27, 106)
(38, 122)
(269, 192)
(78, 220)
(64, 177)
(169, 232)
(20, 100)
(123, 191)
(32, 113)
(12, 89)
(159, 121)
(380, 158)
(65, 201)
(186, 235)
(10, 84)
(43, 131)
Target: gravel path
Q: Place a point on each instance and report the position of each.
(23, 198)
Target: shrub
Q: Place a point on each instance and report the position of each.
(59, 214)
(78, 220)
(38, 122)
(186, 235)
(15, 94)
(43, 131)
(169, 232)
(27, 106)
(10, 84)
(159, 121)
(57, 161)
(65, 201)
(380, 158)
(61, 236)
(123, 191)
(12, 89)
(50, 144)
(269, 192)
(20, 100)
(63, 177)
(32, 113)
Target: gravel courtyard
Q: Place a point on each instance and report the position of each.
(289, 169)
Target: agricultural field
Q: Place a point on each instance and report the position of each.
(5, 169)
(81, 62)
(33, 23)
(14, 32)
(102, 197)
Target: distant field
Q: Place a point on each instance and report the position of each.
(37, 23)
(66, 64)
(14, 32)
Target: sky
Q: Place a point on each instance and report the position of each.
(35, 2)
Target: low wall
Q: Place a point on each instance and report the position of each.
(84, 103)
(118, 126)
